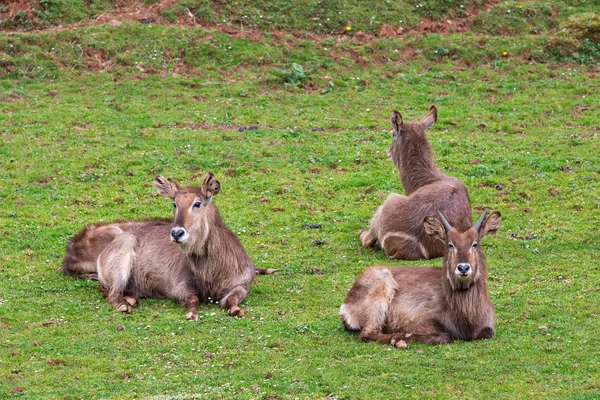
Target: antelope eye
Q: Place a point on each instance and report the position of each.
(474, 245)
(174, 205)
(450, 245)
(197, 204)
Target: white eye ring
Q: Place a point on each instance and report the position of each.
(450, 245)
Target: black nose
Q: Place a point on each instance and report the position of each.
(463, 268)
(177, 233)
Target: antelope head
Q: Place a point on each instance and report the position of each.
(406, 133)
(191, 204)
(464, 261)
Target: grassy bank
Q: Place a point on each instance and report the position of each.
(91, 115)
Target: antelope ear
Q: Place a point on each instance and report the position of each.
(166, 187)
(490, 225)
(211, 185)
(430, 119)
(396, 123)
(434, 228)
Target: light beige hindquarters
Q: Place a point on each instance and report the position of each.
(391, 228)
(375, 232)
(393, 201)
(368, 301)
(114, 265)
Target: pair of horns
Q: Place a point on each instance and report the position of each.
(477, 226)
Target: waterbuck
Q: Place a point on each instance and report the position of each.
(427, 305)
(196, 259)
(397, 224)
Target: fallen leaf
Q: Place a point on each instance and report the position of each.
(368, 189)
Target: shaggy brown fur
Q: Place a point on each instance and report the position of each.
(428, 305)
(195, 259)
(397, 224)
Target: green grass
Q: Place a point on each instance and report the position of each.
(90, 116)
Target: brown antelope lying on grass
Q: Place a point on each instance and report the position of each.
(195, 259)
(428, 305)
(397, 224)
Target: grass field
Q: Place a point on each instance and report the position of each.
(90, 115)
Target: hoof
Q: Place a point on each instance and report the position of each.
(131, 301)
(124, 307)
(400, 344)
(236, 312)
(365, 239)
(191, 316)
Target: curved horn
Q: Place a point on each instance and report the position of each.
(447, 226)
(480, 221)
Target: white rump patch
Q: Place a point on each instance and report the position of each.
(348, 318)
(100, 271)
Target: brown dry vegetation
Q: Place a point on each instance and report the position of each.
(134, 10)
